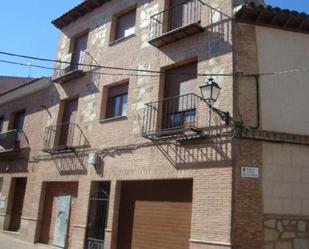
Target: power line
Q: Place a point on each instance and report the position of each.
(58, 69)
(108, 67)
(115, 74)
(154, 73)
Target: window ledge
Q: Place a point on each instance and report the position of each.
(112, 43)
(107, 120)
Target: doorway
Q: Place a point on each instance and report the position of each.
(179, 107)
(66, 138)
(97, 215)
(80, 45)
(17, 192)
(155, 214)
(58, 210)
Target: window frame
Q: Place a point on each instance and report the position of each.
(112, 110)
(109, 111)
(115, 25)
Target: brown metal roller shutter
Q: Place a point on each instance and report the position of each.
(155, 214)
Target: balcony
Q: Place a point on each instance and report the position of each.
(180, 115)
(175, 23)
(72, 66)
(64, 138)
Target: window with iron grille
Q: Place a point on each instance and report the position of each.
(117, 101)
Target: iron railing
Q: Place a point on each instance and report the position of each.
(63, 137)
(76, 61)
(10, 141)
(172, 114)
(177, 16)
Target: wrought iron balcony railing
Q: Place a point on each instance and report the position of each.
(176, 22)
(10, 141)
(72, 66)
(64, 137)
(174, 115)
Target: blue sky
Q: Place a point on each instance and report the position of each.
(26, 29)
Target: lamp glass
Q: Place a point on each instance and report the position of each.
(215, 92)
(210, 91)
(206, 91)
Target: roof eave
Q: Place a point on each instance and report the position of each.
(273, 17)
(78, 11)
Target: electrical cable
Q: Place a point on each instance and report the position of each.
(107, 67)
(154, 73)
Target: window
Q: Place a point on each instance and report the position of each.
(117, 101)
(1, 123)
(125, 25)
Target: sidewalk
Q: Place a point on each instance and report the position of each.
(8, 242)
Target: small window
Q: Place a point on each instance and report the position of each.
(1, 123)
(117, 101)
(125, 25)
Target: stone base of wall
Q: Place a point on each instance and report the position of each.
(286, 232)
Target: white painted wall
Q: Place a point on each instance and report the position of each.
(284, 97)
(286, 179)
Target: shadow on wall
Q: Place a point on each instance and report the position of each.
(71, 164)
(217, 35)
(208, 153)
(195, 154)
(16, 163)
(14, 158)
(87, 85)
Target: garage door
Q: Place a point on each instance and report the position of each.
(155, 214)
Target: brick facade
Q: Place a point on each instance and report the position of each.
(227, 209)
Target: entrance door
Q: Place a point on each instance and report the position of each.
(68, 120)
(62, 220)
(97, 215)
(18, 189)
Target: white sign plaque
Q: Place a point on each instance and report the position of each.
(250, 172)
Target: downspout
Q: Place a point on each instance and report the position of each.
(258, 109)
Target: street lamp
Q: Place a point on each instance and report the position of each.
(210, 93)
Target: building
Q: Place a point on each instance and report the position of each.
(124, 152)
(7, 82)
